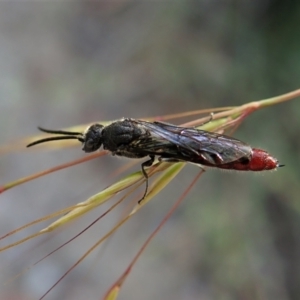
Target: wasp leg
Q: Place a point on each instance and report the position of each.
(147, 163)
(212, 157)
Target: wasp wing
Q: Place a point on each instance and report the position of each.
(216, 148)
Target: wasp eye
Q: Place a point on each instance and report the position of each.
(89, 146)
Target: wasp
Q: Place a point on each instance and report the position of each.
(169, 143)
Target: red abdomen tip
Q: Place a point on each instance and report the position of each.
(259, 160)
(262, 160)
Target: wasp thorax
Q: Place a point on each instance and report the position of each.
(93, 138)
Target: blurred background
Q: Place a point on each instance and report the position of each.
(236, 236)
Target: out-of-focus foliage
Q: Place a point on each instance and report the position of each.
(67, 63)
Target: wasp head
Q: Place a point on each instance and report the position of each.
(92, 138)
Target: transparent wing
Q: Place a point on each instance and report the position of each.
(194, 141)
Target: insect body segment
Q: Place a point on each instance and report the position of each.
(137, 139)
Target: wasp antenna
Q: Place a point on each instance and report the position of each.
(56, 138)
(59, 131)
(279, 166)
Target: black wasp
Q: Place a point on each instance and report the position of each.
(170, 143)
